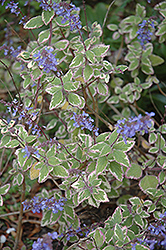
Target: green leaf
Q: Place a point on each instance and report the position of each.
(118, 232)
(152, 138)
(105, 150)
(101, 164)
(102, 89)
(5, 139)
(138, 220)
(109, 248)
(161, 177)
(90, 56)
(149, 181)
(54, 161)
(135, 201)
(47, 16)
(147, 69)
(121, 158)
(141, 247)
(34, 22)
(87, 72)
(134, 172)
(113, 137)
(108, 66)
(60, 171)
(133, 64)
(120, 69)
(74, 99)
(30, 138)
(51, 124)
(27, 81)
(55, 217)
(163, 202)
(46, 218)
(100, 50)
(4, 189)
(140, 10)
(121, 145)
(112, 27)
(43, 36)
(103, 137)
(71, 86)
(161, 30)
(97, 147)
(20, 179)
(83, 195)
(44, 172)
(151, 208)
(1, 201)
(115, 219)
(56, 100)
(156, 60)
(62, 44)
(79, 184)
(99, 237)
(116, 170)
(100, 195)
(77, 61)
(12, 144)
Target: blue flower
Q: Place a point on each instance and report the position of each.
(128, 128)
(68, 12)
(26, 150)
(46, 59)
(84, 121)
(13, 7)
(144, 32)
(39, 204)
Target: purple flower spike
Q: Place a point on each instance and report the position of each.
(46, 59)
(144, 32)
(84, 121)
(128, 128)
(13, 7)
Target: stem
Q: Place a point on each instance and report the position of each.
(7, 162)
(16, 34)
(160, 89)
(100, 118)
(57, 115)
(65, 38)
(12, 80)
(18, 236)
(69, 152)
(37, 91)
(50, 33)
(82, 39)
(105, 18)
(83, 1)
(14, 213)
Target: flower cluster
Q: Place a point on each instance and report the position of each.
(15, 108)
(128, 128)
(84, 121)
(46, 59)
(68, 12)
(44, 243)
(10, 50)
(28, 150)
(13, 7)
(155, 235)
(39, 203)
(144, 32)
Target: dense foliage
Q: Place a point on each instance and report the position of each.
(86, 108)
